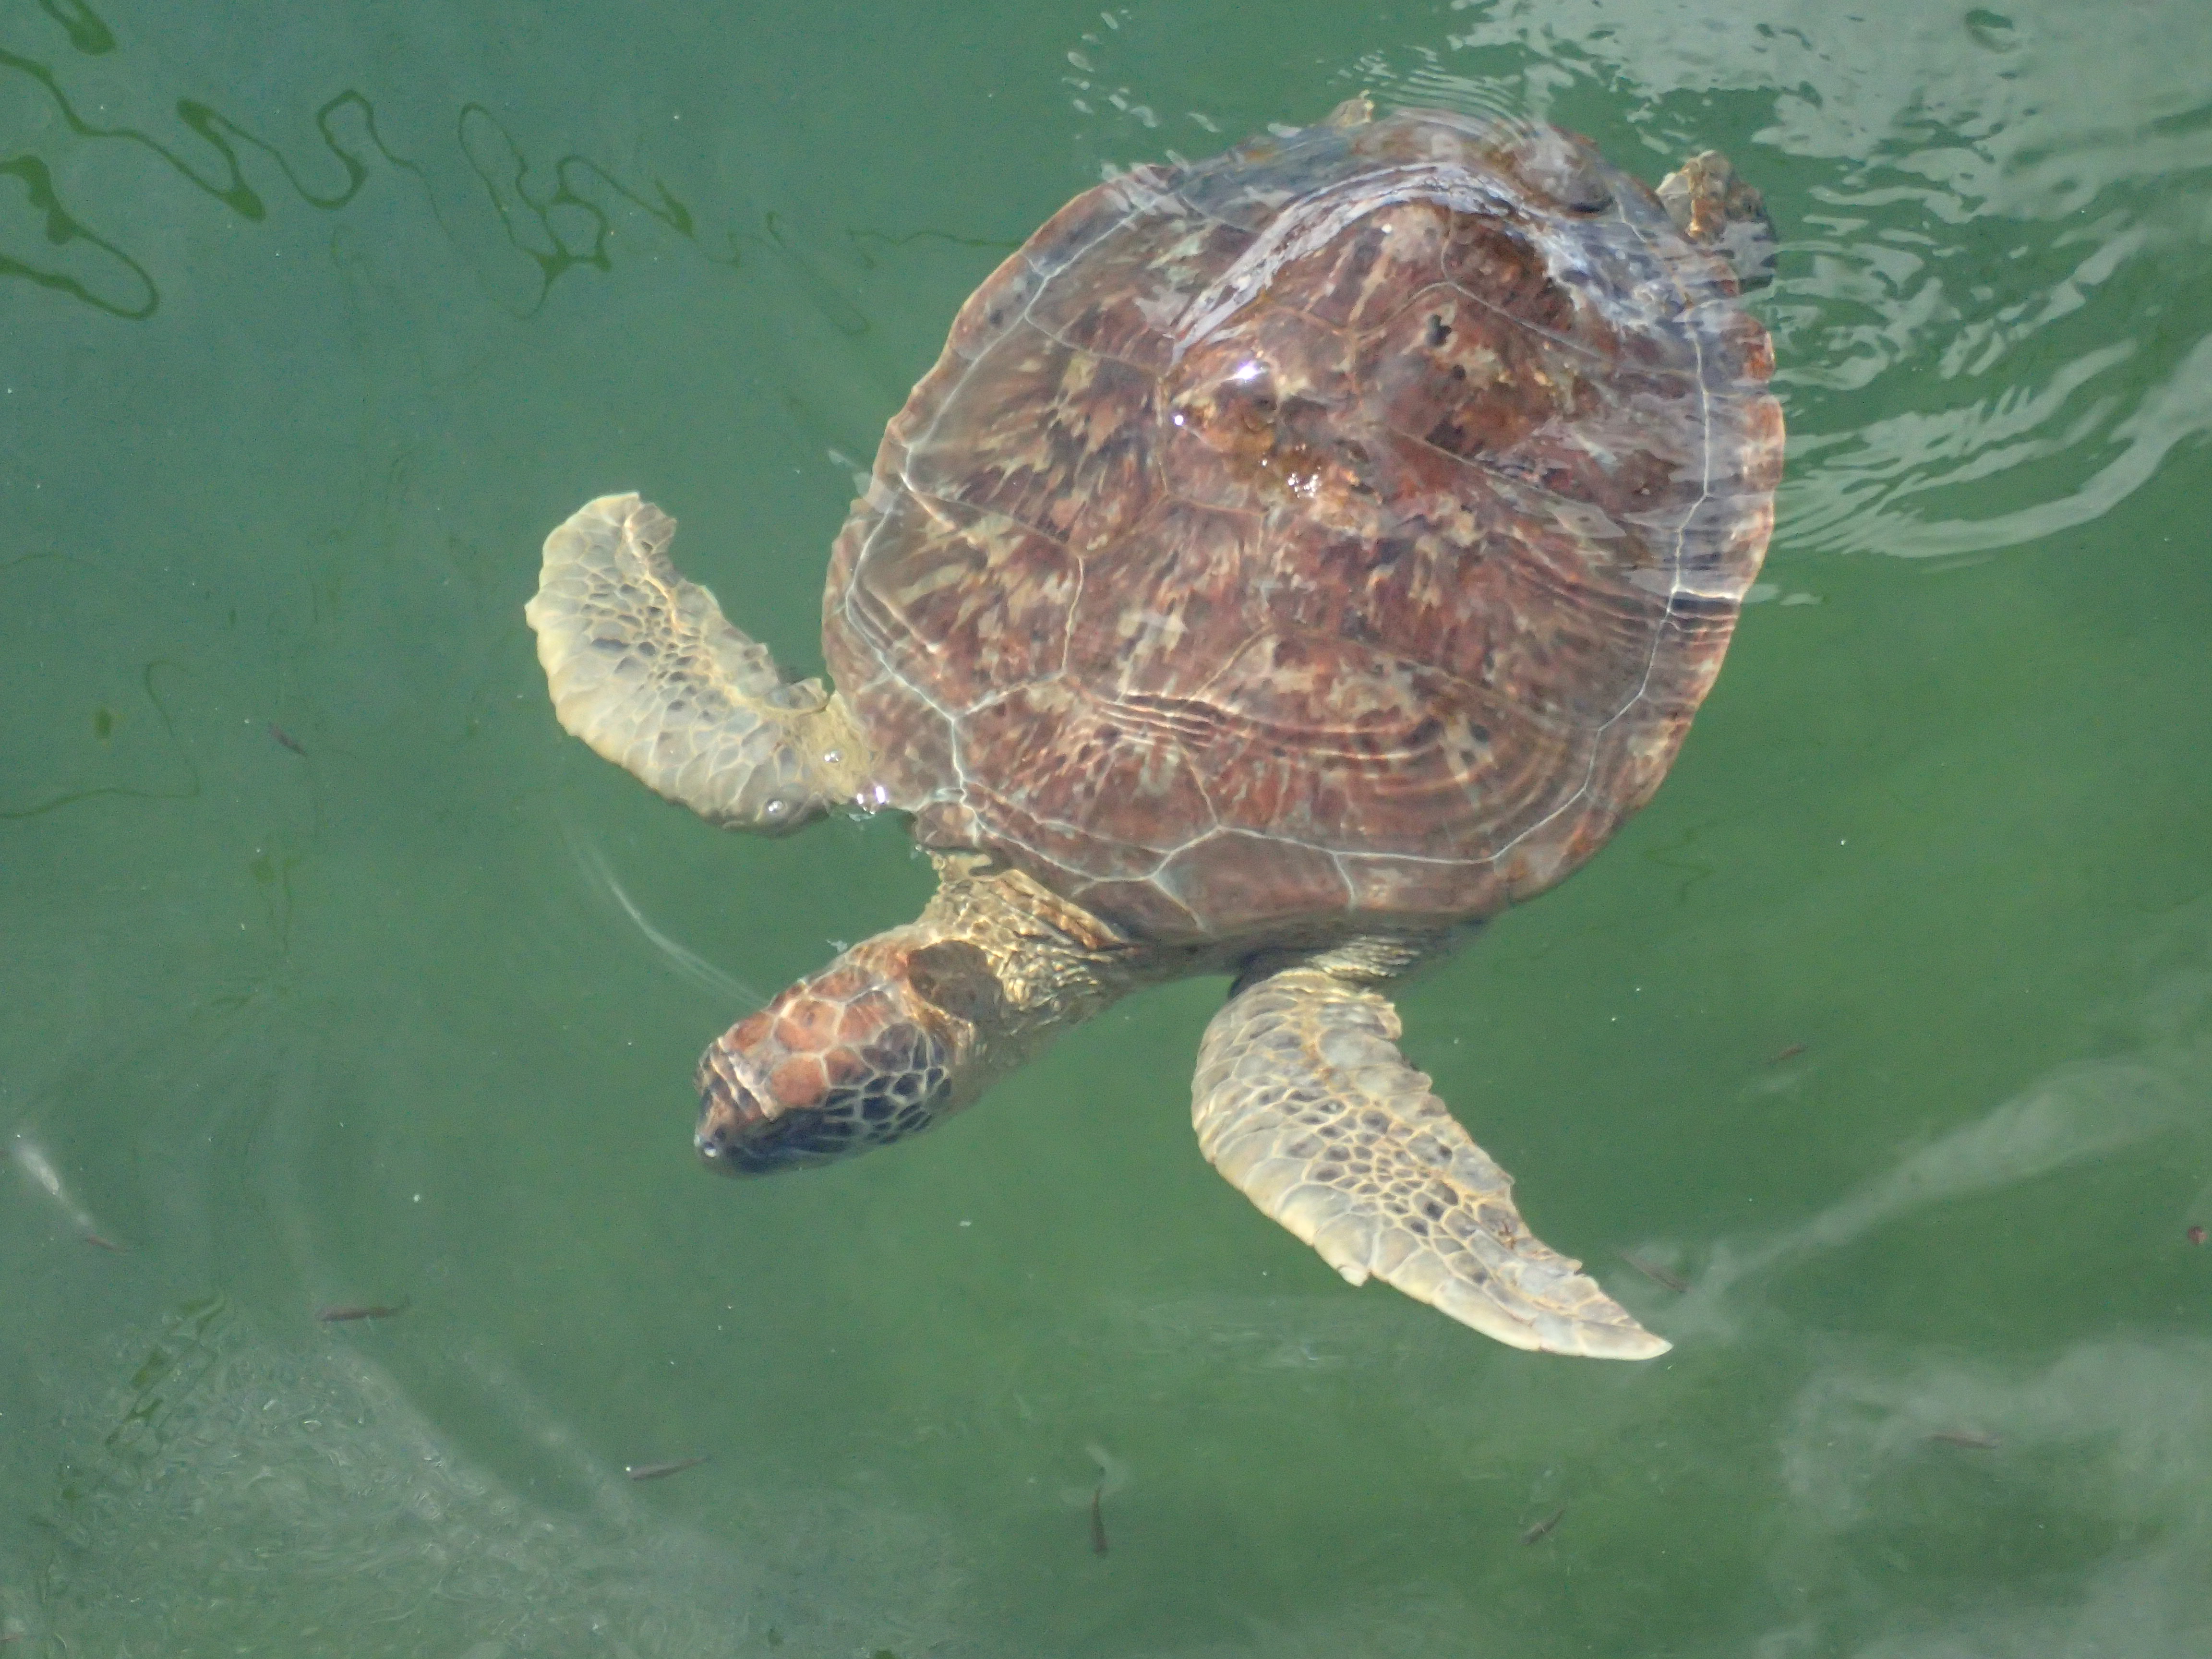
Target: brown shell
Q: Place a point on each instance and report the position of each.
(1350, 523)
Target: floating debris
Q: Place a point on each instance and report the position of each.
(287, 739)
(1113, 1475)
(1973, 1439)
(662, 1471)
(107, 1244)
(1656, 1274)
(1543, 1528)
(339, 1312)
(1789, 1054)
(2195, 1234)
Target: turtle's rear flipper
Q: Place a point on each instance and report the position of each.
(1715, 208)
(1303, 1101)
(644, 667)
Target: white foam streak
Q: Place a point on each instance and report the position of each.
(727, 987)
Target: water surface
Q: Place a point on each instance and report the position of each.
(335, 975)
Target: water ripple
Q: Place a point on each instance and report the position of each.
(1988, 322)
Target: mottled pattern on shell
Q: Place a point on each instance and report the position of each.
(1345, 527)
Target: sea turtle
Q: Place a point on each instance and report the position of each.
(1295, 558)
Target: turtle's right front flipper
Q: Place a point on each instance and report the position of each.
(1303, 1101)
(644, 667)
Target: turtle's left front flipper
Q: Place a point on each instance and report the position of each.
(1303, 1100)
(644, 666)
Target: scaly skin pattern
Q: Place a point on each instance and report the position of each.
(1715, 208)
(1348, 526)
(1302, 1101)
(644, 667)
(911, 1024)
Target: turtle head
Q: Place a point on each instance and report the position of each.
(878, 1045)
(1715, 208)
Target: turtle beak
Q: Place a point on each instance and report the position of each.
(741, 1130)
(745, 1127)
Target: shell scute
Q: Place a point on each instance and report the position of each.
(1139, 276)
(1142, 908)
(1202, 556)
(1101, 788)
(1504, 273)
(1325, 727)
(967, 599)
(1236, 871)
(1387, 884)
(1006, 298)
(978, 328)
(1061, 445)
(1361, 278)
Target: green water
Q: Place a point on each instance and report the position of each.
(1888, 1026)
